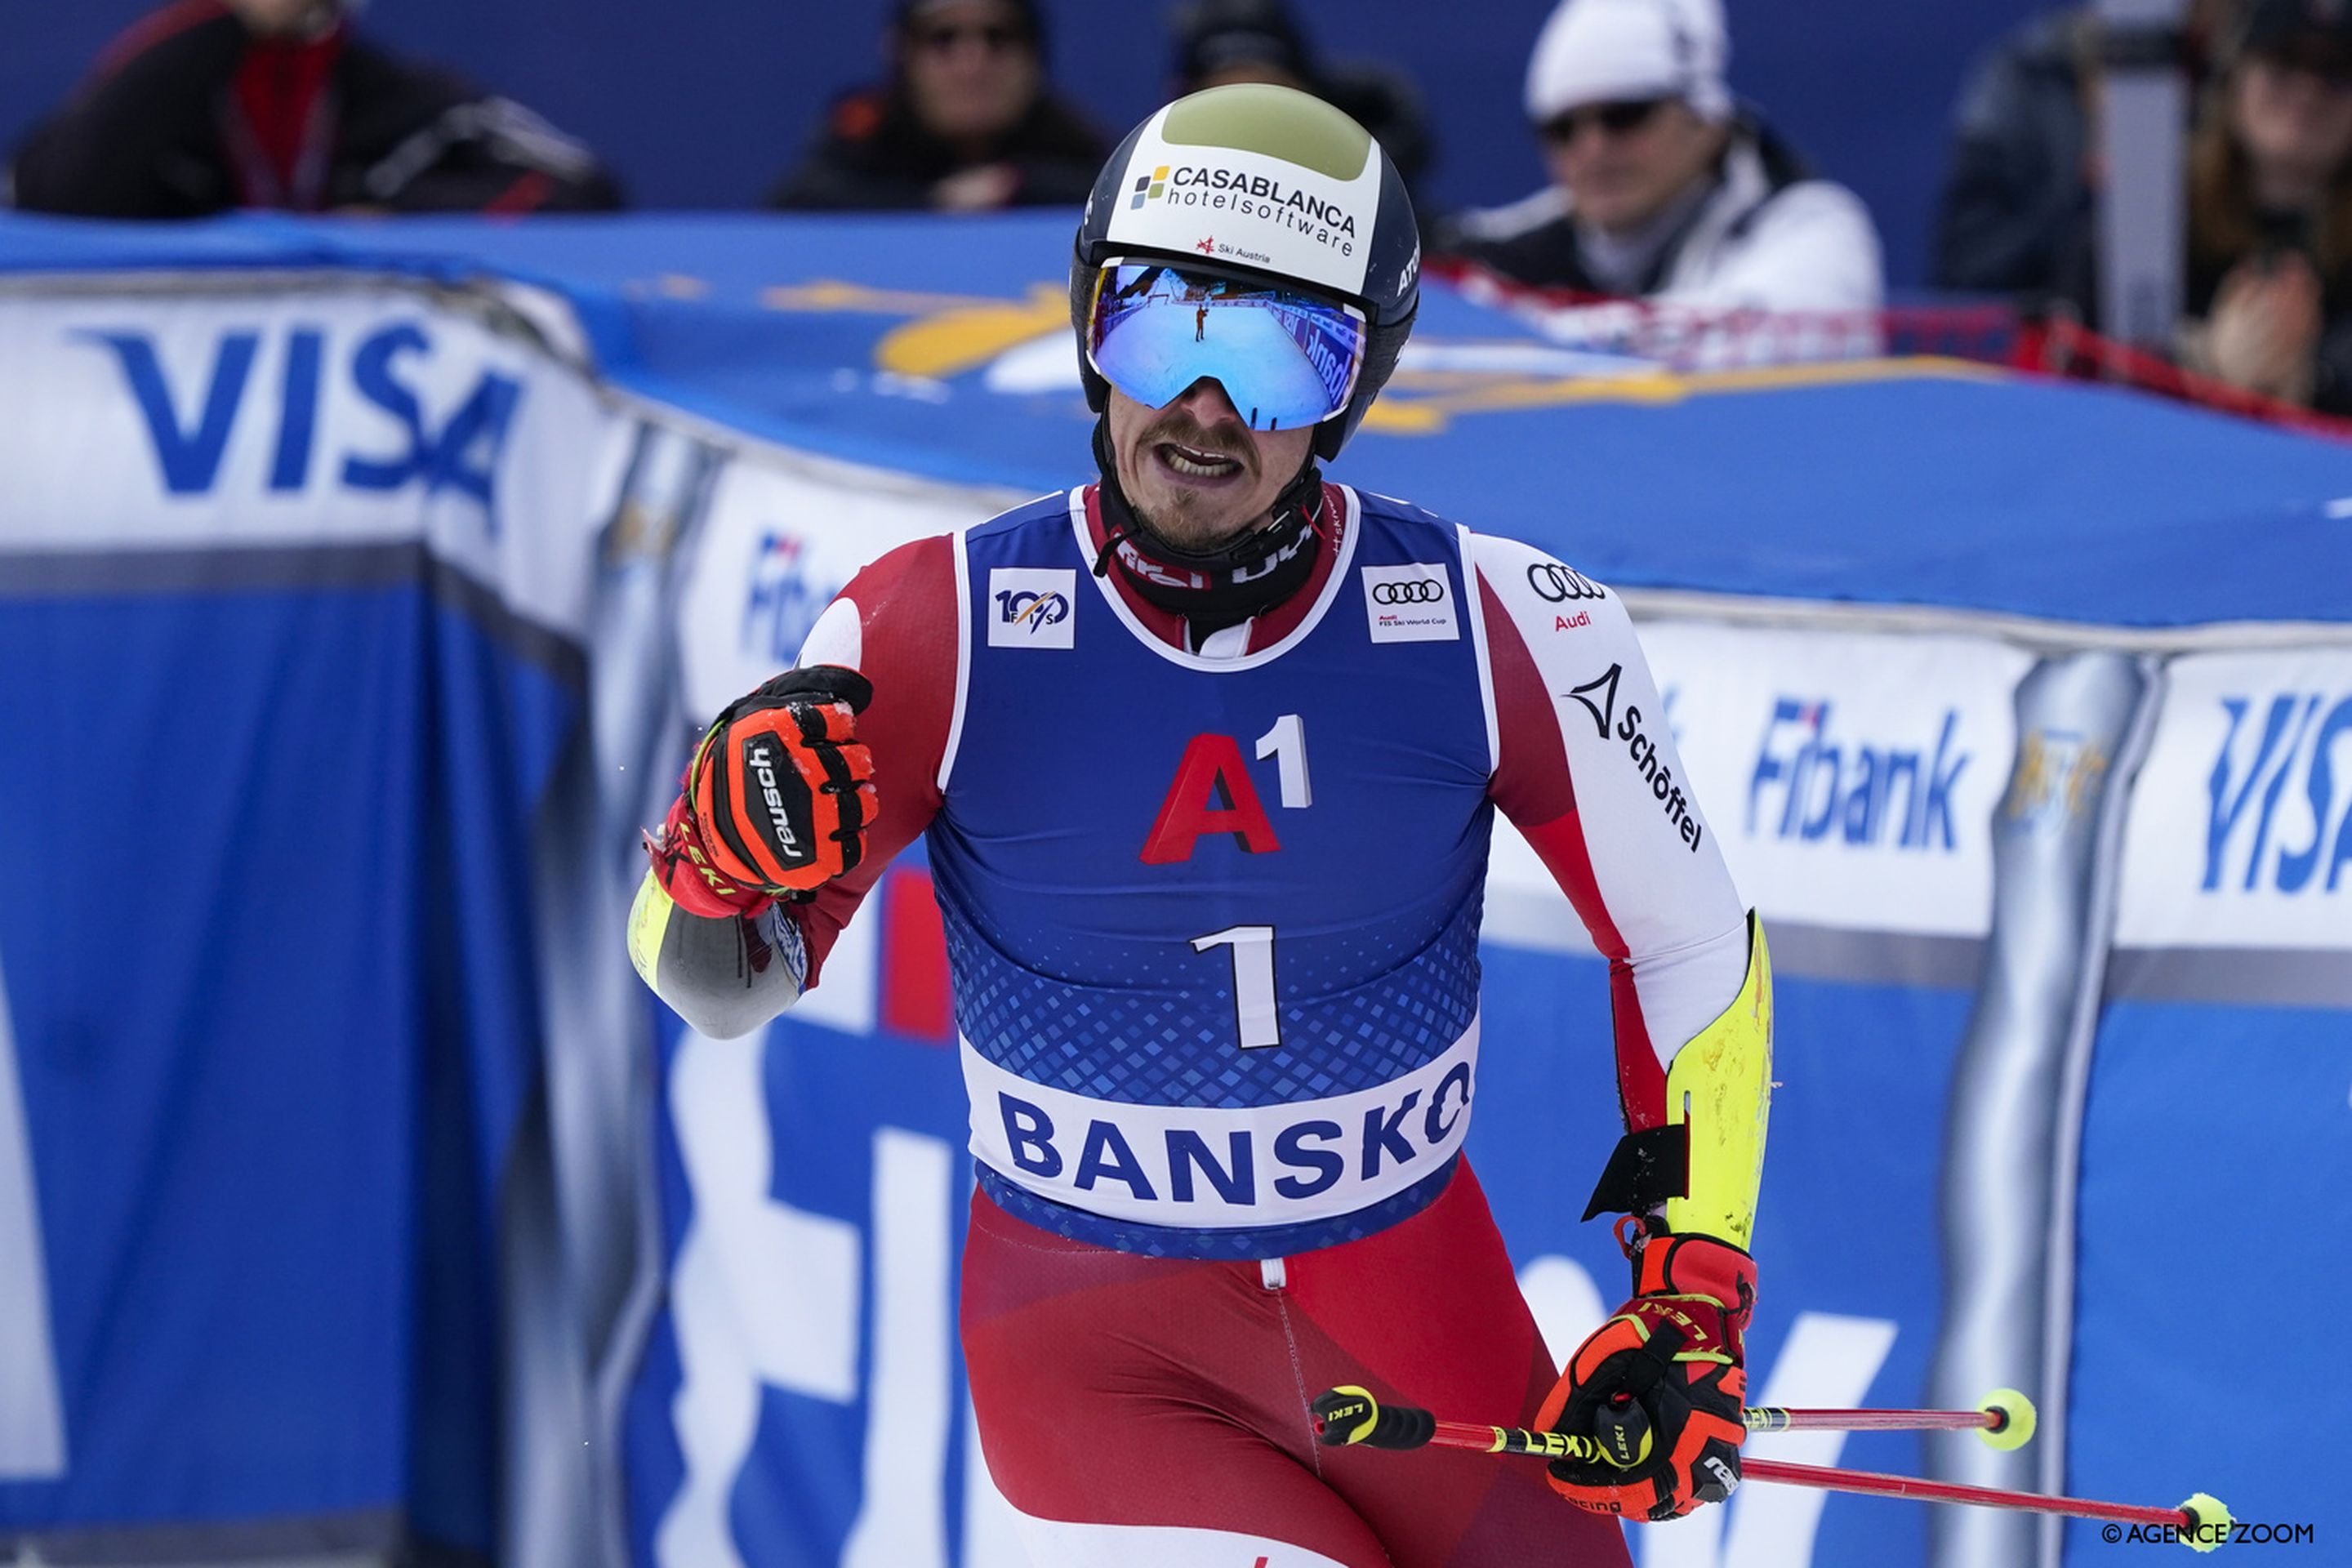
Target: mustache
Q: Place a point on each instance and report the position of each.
(1182, 430)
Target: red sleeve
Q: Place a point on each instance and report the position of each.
(898, 623)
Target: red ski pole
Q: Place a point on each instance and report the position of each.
(2203, 1522)
(1350, 1416)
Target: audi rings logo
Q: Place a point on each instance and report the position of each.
(1557, 584)
(1421, 591)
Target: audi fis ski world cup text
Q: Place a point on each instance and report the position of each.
(1412, 603)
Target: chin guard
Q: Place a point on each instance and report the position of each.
(1704, 1165)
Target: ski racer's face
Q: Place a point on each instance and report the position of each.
(1194, 468)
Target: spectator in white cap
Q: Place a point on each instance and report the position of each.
(1662, 187)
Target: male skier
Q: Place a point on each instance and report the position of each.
(1208, 751)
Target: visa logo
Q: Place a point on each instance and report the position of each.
(2291, 758)
(188, 428)
(1810, 783)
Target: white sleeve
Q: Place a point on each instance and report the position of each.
(1589, 772)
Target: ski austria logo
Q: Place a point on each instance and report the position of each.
(1031, 607)
(1413, 603)
(2275, 821)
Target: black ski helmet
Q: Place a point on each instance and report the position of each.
(1269, 184)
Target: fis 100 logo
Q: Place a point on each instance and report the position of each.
(2274, 817)
(1812, 782)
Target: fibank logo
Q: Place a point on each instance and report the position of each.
(1813, 781)
(2273, 820)
(1030, 607)
(188, 428)
(781, 601)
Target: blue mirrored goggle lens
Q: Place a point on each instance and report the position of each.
(1285, 358)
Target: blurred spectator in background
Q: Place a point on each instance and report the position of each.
(1219, 42)
(2269, 292)
(1662, 187)
(207, 105)
(965, 123)
(2018, 214)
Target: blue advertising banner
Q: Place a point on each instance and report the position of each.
(362, 585)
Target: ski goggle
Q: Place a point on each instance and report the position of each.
(1286, 357)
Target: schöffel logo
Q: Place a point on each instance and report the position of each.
(1249, 195)
(1599, 696)
(1812, 783)
(189, 426)
(2278, 755)
(1031, 607)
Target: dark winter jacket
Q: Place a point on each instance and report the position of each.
(190, 114)
(2016, 212)
(874, 155)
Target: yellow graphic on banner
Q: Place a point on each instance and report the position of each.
(953, 334)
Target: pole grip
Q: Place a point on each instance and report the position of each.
(1348, 1417)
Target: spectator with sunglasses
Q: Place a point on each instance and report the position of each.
(1662, 187)
(965, 123)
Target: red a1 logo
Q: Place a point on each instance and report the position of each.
(1213, 793)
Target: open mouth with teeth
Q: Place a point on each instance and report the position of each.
(1193, 464)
